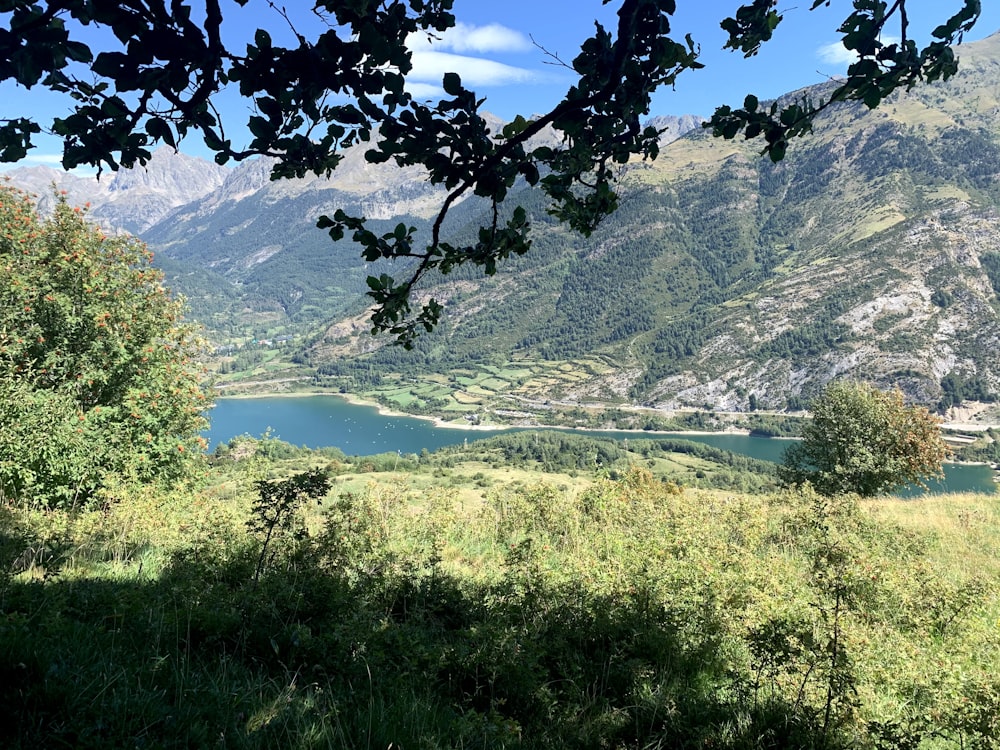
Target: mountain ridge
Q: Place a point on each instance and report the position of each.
(870, 252)
(723, 281)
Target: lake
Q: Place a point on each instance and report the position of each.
(321, 421)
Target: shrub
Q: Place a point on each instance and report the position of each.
(97, 370)
(866, 441)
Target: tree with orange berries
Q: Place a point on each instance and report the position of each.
(98, 370)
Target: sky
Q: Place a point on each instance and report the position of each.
(506, 51)
(804, 49)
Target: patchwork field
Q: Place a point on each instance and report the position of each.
(492, 391)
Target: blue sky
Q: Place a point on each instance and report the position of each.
(804, 49)
(498, 45)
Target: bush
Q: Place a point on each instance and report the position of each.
(97, 371)
(866, 441)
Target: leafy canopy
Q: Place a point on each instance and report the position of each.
(97, 370)
(865, 441)
(344, 85)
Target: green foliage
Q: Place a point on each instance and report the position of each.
(272, 449)
(991, 265)
(275, 509)
(568, 453)
(550, 451)
(97, 371)
(866, 441)
(761, 425)
(881, 67)
(725, 469)
(956, 389)
(986, 449)
(631, 614)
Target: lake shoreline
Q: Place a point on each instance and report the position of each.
(439, 422)
(472, 428)
(361, 428)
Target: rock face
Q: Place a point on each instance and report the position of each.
(139, 200)
(243, 180)
(174, 175)
(674, 127)
(130, 200)
(46, 182)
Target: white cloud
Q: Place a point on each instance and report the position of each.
(464, 38)
(430, 67)
(424, 90)
(836, 53)
(460, 50)
(492, 38)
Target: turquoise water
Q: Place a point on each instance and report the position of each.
(320, 421)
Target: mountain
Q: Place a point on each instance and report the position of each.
(872, 251)
(280, 272)
(245, 250)
(724, 281)
(129, 200)
(673, 127)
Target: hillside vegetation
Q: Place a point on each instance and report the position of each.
(534, 589)
(507, 609)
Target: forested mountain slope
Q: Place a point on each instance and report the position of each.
(871, 251)
(244, 250)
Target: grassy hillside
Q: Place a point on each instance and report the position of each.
(505, 609)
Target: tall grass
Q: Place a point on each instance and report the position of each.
(628, 614)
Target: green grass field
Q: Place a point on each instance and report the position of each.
(466, 602)
(525, 386)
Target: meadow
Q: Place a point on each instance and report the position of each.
(464, 605)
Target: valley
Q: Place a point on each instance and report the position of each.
(724, 282)
(586, 507)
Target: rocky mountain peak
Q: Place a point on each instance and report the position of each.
(130, 199)
(673, 126)
(181, 177)
(246, 178)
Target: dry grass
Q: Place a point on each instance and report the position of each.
(964, 527)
